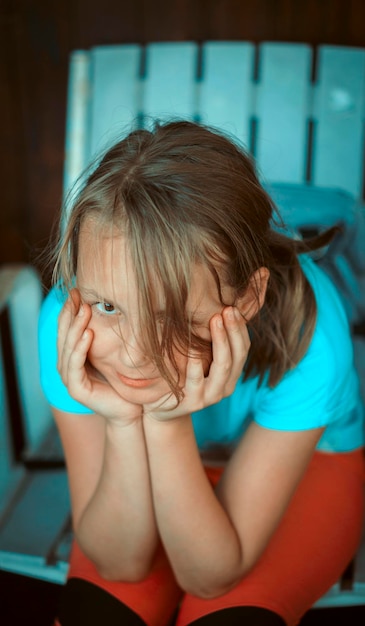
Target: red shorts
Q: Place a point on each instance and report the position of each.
(309, 551)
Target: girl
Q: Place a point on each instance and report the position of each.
(205, 395)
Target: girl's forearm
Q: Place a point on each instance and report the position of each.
(199, 538)
(117, 529)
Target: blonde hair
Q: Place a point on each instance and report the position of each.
(184, 194)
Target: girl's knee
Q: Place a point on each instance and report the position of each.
(86, 604)
(240, 616)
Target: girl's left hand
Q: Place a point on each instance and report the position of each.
(230, 346)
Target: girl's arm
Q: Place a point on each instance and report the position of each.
(106, 459)
(110, 491)
(213, 539)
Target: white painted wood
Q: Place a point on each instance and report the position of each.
(170, 87)
(38, 516)
(227, 91)
(115, 94)
(77, 119)
(29, 536)
(282, 111)
(34, 567)
(21, 293)
(340, 104)
(305, 206)
(106, 95)
(10, 473)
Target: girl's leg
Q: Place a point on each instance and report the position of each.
(309, 551)
(84, 603)
(239, 616)
(89, 600)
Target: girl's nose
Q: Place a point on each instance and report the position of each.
(132, 353)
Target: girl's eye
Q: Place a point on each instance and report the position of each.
(105, 308)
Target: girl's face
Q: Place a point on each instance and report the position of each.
(106, 282)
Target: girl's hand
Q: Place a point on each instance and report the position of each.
(230, 346)
(83, 382)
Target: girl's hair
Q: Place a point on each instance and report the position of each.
(183, 194)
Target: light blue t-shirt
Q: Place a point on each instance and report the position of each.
(322, 390)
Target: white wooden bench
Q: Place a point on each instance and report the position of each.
(300, 113)
(34, 499)
(299, 130)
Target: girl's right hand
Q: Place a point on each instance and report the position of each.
(84, 383)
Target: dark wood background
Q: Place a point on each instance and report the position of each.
(36, 38)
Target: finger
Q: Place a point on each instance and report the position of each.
(230, 349)
(239, 339)
(69, 310)
(194, 372)
(78, 379)
(71, 329)
(221, 347)
(75, 299)
(74, 334)
(195, 383)
(64, 322)
(237, 333)
(221, 366)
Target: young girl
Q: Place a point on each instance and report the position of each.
(205, 395)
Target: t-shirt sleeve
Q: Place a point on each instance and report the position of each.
(312, 395)
(54, 389)
(323, 387)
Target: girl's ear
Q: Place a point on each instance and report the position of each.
(254, 297)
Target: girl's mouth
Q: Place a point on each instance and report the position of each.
(137, 383)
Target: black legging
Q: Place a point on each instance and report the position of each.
(85, 604)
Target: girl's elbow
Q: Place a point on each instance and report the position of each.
(208, 585)
(208, 590)
(128, 573)
(131, 568)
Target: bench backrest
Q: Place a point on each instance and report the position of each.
(24, 413)
(300, 111)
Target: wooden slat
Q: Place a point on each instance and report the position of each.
(5, 443)
(115, 93)
(21, 294)
(340, 103)
(39, 515)
(77, 119)
(170, 87)
(226, 92)
(282, 111)
(22, 289)
(305, 206)
(10, 473)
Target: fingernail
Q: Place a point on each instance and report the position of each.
(231, 313)
(219, 322)
(81, 310)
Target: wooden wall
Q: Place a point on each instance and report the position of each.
(36, 38)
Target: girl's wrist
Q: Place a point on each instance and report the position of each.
(160, 432)
(120, 425)
(158, 421)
